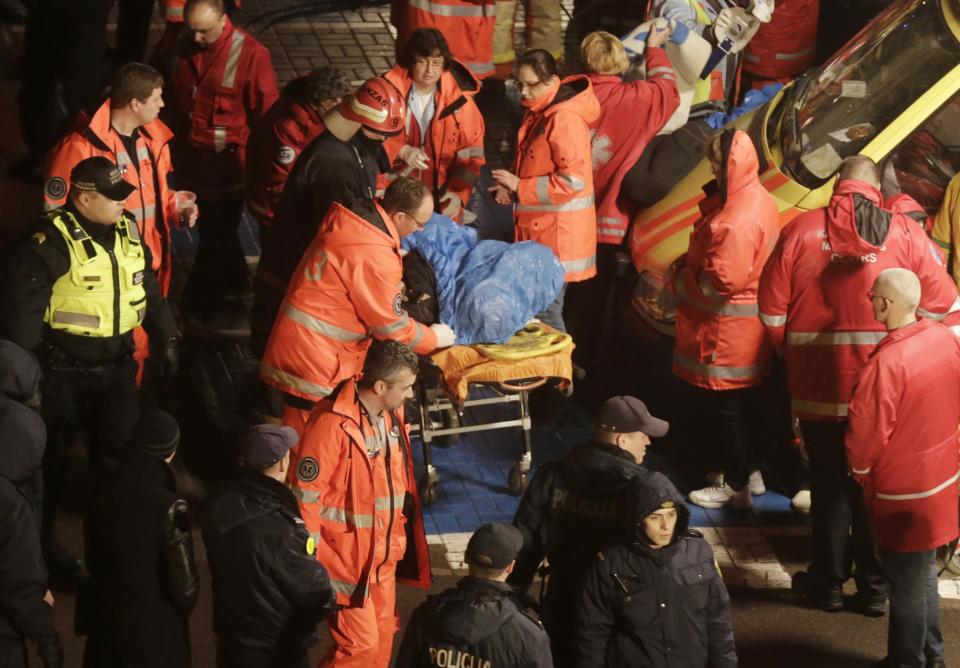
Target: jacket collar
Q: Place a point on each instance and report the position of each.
(98, 130)
(904, 333)
(264, 487)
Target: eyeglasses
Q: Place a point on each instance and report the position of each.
(520, 85)
(419, 223)
(871, 296)
(429, 62)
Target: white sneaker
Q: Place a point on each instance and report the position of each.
(801, 501)
(755, 484)
(718, 496)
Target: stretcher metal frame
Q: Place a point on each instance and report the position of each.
(441, 418)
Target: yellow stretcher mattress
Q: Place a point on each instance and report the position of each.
(462, 365)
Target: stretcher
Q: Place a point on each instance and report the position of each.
(444, 387)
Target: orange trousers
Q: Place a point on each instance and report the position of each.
(363, 637)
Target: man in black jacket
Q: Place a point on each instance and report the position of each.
(139, 553)
(480, 622)
(569, 511)
(269, 591)
(26, 605)
(656, 599)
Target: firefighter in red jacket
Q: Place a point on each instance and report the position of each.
(223, 83)
(631, 114)
(552, 178)
(442, 139)
(468, 25)
(785, 47)
(346, 291)
(353, 476)
(812, 304)
(721, 350)
(277, 140)
(902, 448)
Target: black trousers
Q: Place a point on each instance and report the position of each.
(133, 30)
(730, 419)
(101, 402)
(585, 310)
(843, 538)
(238, 656)
(13, 654)
(219, 267)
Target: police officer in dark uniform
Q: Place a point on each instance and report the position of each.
(480, 622)
(75, 292)
(569, 511)
(269, 590)
(656, 598)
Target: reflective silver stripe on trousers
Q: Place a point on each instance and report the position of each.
(394, 326)
(219, 138)
(576, 204)
(576, 184)
(542, 186)
(580, 265)
(295, 382)
(233, 59)
(470, 152)
(716, 308)
(773, 320)
(359, 520)
(611, 231)
(438, 9)
(820, 407)
(77, 319)
(921, 495)
(320, 326)
(388, 502)
(713, 371)
(835, 338)
(305, 495)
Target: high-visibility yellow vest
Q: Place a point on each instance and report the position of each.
(102, 294)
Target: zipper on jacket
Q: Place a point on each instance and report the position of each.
(116, 291)
(386, 463)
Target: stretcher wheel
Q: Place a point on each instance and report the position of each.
(429, 491)
(450, 420)
(518, 480)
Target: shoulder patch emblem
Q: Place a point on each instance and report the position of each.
(286, 155)
(56, 188)
(398, 304)
(308, 469)
(39, 238)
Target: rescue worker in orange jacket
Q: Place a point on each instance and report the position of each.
(552, 177)
(347, 290)
(786, 46)
(277, 140)
(721, 348)
(353, 476)
(442, 138)
(468, 24)
(223, 83)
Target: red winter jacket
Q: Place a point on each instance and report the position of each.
(631, 114)
(902, 438)
(274, 145)
(720, 341)
(813, 293)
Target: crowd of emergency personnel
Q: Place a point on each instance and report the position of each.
(320, 518)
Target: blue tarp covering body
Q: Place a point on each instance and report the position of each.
(488, 289)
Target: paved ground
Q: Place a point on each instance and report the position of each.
(756, 550)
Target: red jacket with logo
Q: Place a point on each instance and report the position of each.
(274, 145)
(813, 293)
(902, 437)
(720, 341)
(216, 95)
(631, 114)
(152, 203)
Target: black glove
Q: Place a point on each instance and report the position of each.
(170, 358)
(50, 650)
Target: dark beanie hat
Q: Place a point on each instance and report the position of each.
(157, 433)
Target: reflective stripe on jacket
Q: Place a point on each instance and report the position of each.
(346, 289)
(902, 436)
(102, 295)
(786, 46)
(555, 204)
(720, 341)
(467, 26)
(454, 141)
(813, 294)
(152, 203)
(351, 494)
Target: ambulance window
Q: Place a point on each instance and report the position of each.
(923, 164)
(838, 109)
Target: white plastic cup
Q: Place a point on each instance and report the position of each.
(184, 201)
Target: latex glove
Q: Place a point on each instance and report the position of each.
(506, 179)
(413, 157)
(450, 205)
(660, 32)
(445, 335)
(50, 650)
(170, 358)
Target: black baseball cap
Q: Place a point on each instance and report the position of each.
(101, 175)
(265, 444)
(494, 545)
(625, 415)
